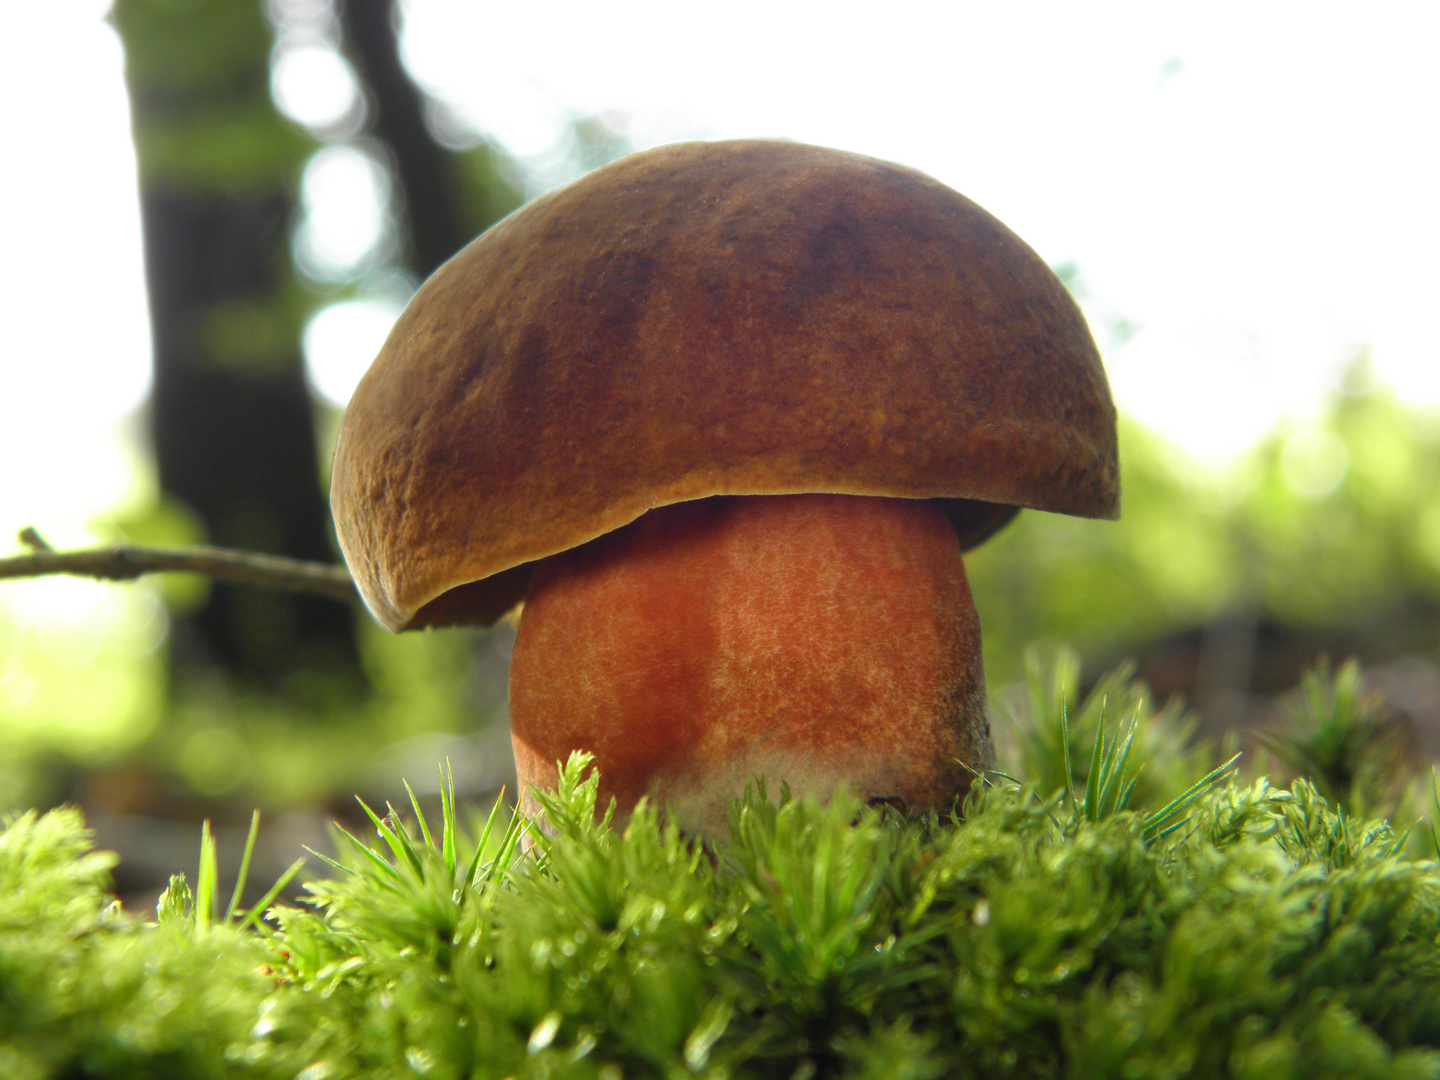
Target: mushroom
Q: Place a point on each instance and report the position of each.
(724, 416)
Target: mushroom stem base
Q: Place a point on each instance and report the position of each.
(815, 640)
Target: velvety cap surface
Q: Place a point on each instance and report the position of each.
(750, 317)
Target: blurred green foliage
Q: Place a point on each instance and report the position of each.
(1334, 525)
(320, 737)
(87, 695)
(78, 692)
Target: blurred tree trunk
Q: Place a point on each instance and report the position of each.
(233, 425)
(446, 198)
(424, 172)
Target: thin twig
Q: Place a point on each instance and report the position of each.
(33, 540)
(125, 562)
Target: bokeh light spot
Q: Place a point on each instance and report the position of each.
(340, 342)
(345, 194)
(315, 86)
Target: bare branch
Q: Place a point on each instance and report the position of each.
(33, 540)
(125, 562)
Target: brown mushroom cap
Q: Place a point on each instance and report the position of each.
(732, 318)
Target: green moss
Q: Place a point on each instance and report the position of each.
(89, 991)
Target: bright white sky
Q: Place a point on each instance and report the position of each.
(1250, 186)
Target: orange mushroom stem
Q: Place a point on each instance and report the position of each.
(826, 640)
